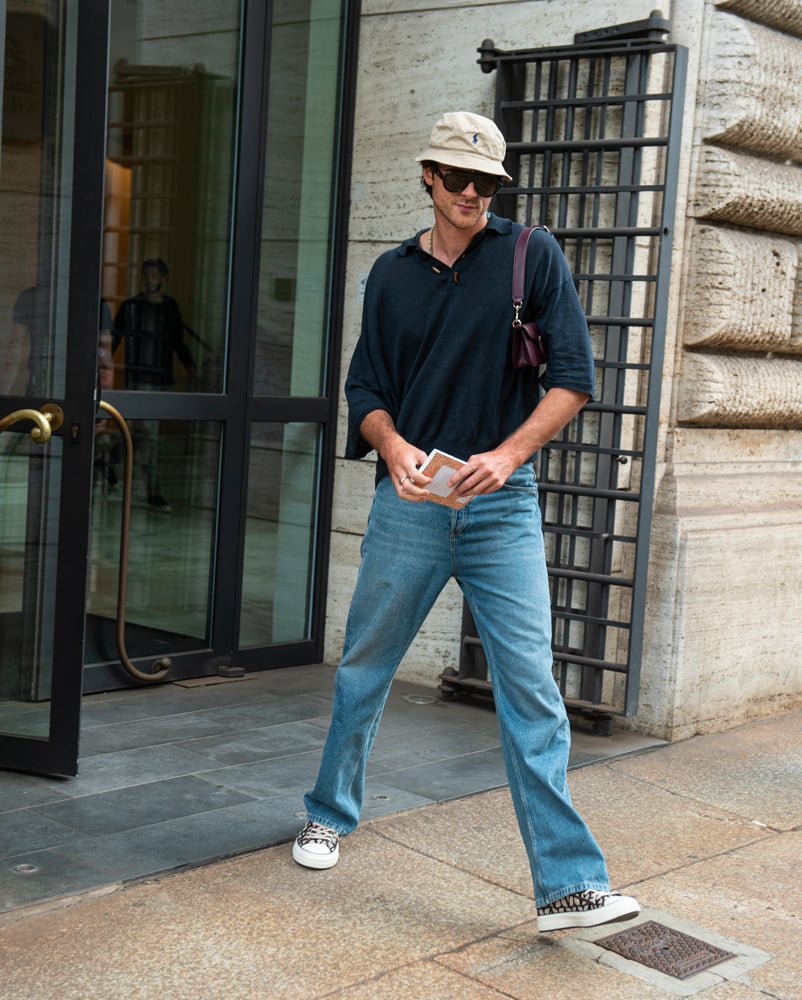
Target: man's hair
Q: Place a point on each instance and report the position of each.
(155, 262)
(426, 187)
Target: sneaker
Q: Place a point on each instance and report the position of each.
(588, 908)
(157, 502)
(317, 846)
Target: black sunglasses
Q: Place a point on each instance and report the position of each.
(457, 180)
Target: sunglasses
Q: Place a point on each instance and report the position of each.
(455, 181)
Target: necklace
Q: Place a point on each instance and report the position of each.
(431, 239)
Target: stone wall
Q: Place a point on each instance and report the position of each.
(725, 581)
(414, 64)
(723, 584)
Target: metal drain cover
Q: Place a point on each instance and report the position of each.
(665, 949)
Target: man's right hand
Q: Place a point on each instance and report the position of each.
(401, 458)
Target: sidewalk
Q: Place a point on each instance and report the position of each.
(436, 902)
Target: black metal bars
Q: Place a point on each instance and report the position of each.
(593, 135)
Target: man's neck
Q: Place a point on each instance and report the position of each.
(449, 242)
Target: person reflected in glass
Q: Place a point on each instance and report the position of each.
(152, 328)
(27, 358)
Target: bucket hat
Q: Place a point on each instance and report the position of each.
(472, 142)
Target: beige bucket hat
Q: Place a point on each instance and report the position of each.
(472, 142)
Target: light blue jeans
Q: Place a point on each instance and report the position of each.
(494, 549)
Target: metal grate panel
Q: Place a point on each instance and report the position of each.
(667, 950)
(593, 134)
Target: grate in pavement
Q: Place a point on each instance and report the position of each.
(665, 949)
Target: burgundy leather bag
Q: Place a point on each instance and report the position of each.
(528, 349)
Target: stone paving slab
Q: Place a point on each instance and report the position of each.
(754, 771)
(260, 924)
(436, 903)
(480, 833)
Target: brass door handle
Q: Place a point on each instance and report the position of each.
(47, 420)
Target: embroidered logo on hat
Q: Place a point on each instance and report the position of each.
(475, 139)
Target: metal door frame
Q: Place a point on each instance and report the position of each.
(58, 753)
(593, 137)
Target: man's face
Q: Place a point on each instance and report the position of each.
(152, 280)
(464, 209)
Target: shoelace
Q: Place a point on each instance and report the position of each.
(320, 833)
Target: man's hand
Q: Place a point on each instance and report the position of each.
(401, 458)
(488, 471)
(483, 473)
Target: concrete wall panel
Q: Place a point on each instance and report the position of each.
(722, 644)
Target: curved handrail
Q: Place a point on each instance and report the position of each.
(160, 667)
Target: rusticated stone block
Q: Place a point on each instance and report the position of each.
(741, 291)
(783, 14)
(721, 391)
(747, 191)
(751, 96)
(796, 310)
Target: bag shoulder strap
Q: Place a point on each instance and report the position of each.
(519, 263)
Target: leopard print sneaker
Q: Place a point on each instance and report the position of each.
(587, 908)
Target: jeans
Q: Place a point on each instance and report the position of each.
(145, 436)
(494, 549)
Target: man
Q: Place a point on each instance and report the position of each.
(153, 329)
(432, 369)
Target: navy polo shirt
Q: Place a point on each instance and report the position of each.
(434, 349)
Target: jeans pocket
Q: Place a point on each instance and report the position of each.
(522, 481)
(521, 490)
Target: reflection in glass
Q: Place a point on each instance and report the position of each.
(35, 152)
(169, 167)
(170, 552)
(35, 221)
(298, 202)
(283, 488)
(170, 151)
(151, 328)
(29, 488)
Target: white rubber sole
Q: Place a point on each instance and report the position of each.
(310, 859)
(619, 908)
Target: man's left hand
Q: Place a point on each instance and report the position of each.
(483, 473)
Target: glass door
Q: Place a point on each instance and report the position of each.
(225, 213)
(53, 55)
(295, 375)
(174, 100)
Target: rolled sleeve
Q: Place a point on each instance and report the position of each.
(368, 386)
